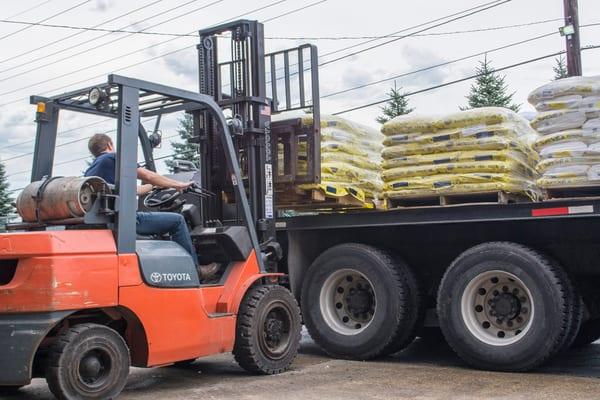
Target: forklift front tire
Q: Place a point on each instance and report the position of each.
(88, 361)
(268, 330)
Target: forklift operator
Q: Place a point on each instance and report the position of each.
(147, 223)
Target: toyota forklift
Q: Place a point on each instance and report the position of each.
(82, 297)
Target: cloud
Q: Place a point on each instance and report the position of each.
(102, 5)
(183, 64)
(418, 58)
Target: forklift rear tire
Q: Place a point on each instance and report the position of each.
(503, 306)
(88, 361)
(268, 330)
(360, 302)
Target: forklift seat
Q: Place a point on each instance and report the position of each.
(223, 244)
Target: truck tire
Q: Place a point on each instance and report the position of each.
(88, 361)
(360, 302)
(505, 307)
(588, 333)
(268, 330)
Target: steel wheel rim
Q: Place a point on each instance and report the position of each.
(275, 330)
(94, 369)
(497, 308)
(348, 302)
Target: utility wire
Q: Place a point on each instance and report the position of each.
(45, 19)
(409, 28)
(112, 42)
(443, 64)
(159, 56)
(467, 78)
(414, 33)
(29, 9)
(93, 28)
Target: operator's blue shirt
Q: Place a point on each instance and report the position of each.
(104, 167)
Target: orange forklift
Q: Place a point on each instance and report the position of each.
(82, 297)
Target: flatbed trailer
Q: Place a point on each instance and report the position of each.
(557, 238)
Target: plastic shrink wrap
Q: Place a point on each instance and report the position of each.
(479, 150)
(569, 123)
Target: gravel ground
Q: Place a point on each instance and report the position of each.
(426, 370)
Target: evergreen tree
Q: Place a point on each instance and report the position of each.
(185, 150)
(6, 200)
(490, 89)
(560, 70)
(396, 106)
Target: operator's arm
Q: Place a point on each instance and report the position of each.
(147, 176)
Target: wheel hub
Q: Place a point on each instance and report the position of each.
(91, 367)
(94, 367)
(274, 330)
(348, 301)
(359, 301)
(497, 307)
(505, 306)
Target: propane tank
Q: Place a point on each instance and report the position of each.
(59, 198)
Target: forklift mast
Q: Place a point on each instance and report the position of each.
(250, 87)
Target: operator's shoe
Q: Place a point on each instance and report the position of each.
(208, 272)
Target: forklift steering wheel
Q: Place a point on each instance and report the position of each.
(159, 197)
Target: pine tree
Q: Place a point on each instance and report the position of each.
(6, 200)
(560, 70)
(490, 89)
(396, 106)
(185, 150)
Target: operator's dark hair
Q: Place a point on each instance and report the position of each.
(99, 143)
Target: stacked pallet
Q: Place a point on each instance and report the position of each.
(350, 168)
(568, 121)
(482, 151)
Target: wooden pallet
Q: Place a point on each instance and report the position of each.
(314, 199)
(499, 197)
(574, 191)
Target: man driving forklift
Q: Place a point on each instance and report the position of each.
(147, 223)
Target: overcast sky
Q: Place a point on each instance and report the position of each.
(54, 68)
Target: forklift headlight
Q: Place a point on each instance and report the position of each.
(96, 96)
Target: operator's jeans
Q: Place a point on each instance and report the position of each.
(160, 223)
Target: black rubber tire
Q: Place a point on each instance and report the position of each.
(588, 333)
(395, 320)
(63, 372)
(249, 350)
(550, 291)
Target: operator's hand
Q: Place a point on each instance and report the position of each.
(181, 186)
(144, 189)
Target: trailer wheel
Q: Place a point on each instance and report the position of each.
(360, 302)
(503, 306)
(588, 333)
(268, 330)
(88, 361)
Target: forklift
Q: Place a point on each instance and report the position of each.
(83, 297)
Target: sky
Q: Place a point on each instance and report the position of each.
(47, 61)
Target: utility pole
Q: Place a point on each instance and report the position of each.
(571, 33)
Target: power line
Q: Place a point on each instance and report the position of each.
(293, 11)
(45, 19)
(156, 57)
(44, 46)
(96, 29)
(58, 134)
(413, 33)
(112, 42)
(447, 33)
(443, 64)
(29, 9)
(407, 29)
(529, 61)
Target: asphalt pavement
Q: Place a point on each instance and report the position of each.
(426, 370)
